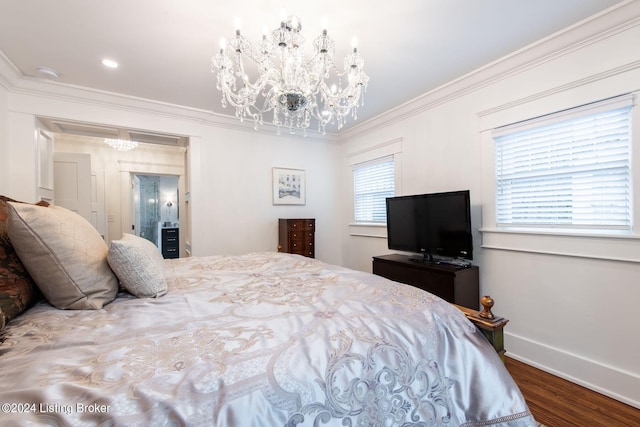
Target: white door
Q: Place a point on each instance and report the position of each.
(72, 183)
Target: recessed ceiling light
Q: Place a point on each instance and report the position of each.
(109, 63)
(47, 72)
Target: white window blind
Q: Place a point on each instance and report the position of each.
(373, 183)
(568, 170)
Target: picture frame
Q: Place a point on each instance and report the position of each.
(289, 186)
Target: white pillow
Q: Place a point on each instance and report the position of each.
(139, 265)
(64, 254)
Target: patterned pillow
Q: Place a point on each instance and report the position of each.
(139, 266)
(17, 289)
(64, 254)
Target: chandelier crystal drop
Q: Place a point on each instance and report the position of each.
(122, 144)
(288, 85)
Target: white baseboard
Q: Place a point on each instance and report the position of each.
(615, 383)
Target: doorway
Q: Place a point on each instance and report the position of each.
(155, 205)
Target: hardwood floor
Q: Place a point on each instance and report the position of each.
(556, 402)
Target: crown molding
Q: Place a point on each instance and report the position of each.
(9, 74)
(612, 21)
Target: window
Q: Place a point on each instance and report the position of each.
(373, 181)
(569, 169)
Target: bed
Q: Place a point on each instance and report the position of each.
(262, 339)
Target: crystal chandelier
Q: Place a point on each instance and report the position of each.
(295, 90)
(121, 144)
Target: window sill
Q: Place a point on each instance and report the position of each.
(622, 247)
(368, 229)
(367, 224)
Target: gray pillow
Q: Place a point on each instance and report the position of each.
(64, 254)
(139, 265)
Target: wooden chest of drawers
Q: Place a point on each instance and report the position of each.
(297, 236)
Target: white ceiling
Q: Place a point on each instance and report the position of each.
(164, 47)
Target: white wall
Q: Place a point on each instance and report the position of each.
(570, 300)
(21, 156)
(234, 191)
(169, 193)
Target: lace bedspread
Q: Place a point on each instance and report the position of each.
(263, 339)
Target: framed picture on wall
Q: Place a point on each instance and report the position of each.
(289, 186)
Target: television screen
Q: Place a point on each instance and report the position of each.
(405, 232)
(436, 224)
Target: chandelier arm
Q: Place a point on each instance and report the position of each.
(352, 91)
(230, 96)
(267, 97)
(238, 100)
(244, 77)
(319, 82)
(242, 74)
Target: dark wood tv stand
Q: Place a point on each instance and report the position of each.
(457, 285)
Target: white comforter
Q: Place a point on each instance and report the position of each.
(264, 339)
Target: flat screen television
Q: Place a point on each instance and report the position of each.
(436, 225)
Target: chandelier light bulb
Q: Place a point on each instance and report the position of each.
(275, 78)
(294, 22)
(354, 44)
